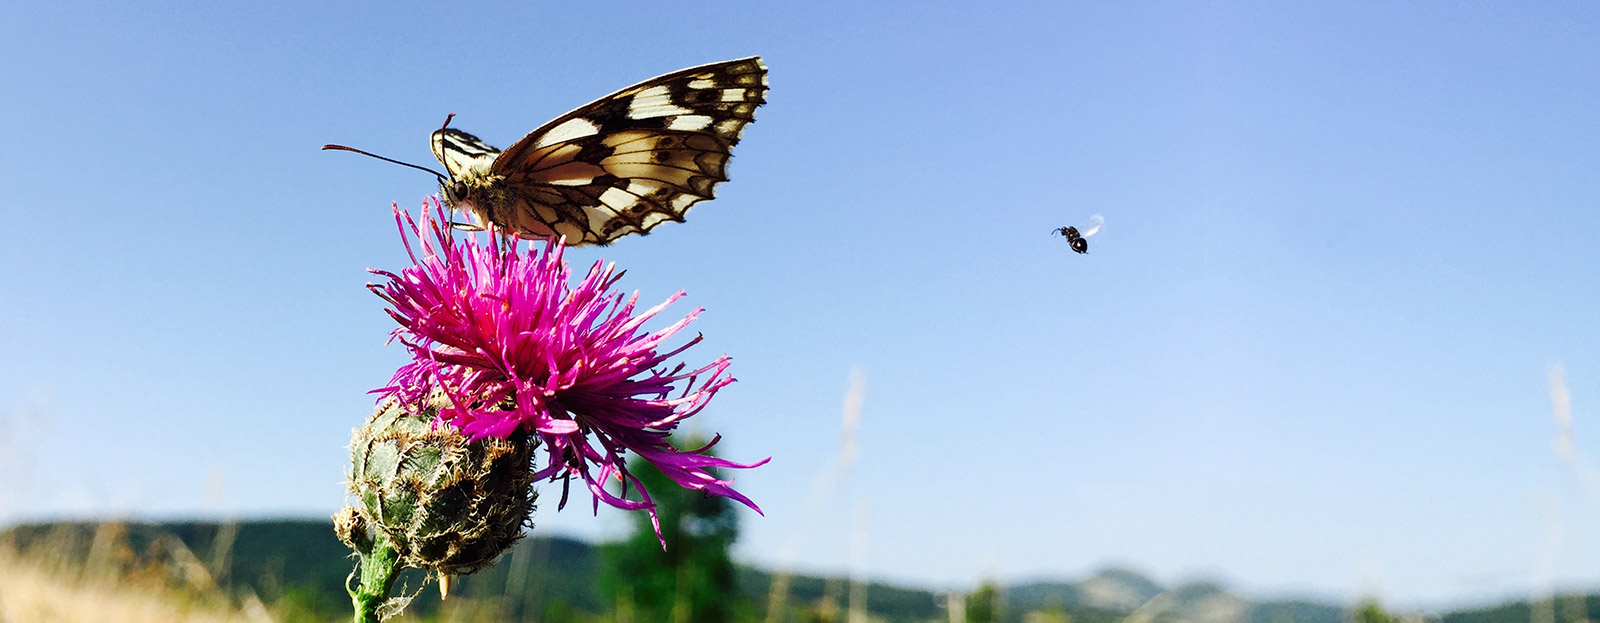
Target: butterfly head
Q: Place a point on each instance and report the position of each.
(470, 163)
(455, 191)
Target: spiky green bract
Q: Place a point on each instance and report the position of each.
(446, 504)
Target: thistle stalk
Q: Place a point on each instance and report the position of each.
(380, 565)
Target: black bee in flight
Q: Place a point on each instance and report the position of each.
(1079, 239)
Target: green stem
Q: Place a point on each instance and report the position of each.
(379, 568)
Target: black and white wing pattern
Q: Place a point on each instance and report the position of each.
(460, 152)
(622, 164)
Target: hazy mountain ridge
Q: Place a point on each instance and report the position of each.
(301, 564)
(1125, 595)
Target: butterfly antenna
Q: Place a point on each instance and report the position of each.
(441, 176)
(447, 119)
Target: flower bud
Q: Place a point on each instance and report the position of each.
(447, 504)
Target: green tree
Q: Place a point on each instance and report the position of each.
(1368, 611)
(983, 605)
(692, 580)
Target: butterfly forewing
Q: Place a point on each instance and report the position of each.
(460, 152)
(621, 164)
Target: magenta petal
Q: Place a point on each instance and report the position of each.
(558, 427)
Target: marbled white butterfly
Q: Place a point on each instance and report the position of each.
(622, 164)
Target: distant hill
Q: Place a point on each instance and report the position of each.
(1565, 608)
(1125, 595)
(299, 568)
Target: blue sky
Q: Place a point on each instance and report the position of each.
(1345, 243)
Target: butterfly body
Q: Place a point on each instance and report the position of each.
(622, 164)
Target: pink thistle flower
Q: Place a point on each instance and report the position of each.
(500, 333)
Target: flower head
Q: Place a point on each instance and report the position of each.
(512, 346)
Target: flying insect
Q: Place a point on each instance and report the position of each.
(1077, 238)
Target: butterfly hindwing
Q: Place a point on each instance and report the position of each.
(619, 165)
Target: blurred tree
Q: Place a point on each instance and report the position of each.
(983, 605)
(1368, 611)
(693, 579)
(558, 611)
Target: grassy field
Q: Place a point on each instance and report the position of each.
(67, 582)
(291, 570)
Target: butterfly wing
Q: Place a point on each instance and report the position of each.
(632, 160)
(460, 152)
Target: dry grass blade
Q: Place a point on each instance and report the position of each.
(110, 585)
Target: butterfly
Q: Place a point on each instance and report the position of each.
(1079, 240)
(620, 165)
